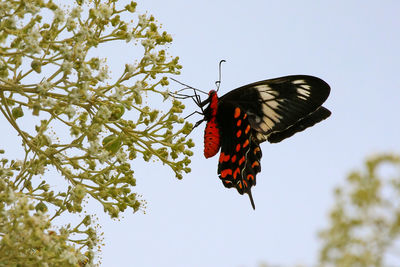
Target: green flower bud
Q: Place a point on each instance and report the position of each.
(41, 207)
(116, 112)
(17, 112)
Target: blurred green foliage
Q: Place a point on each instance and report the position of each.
(365, 221)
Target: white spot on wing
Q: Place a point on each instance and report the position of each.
(264, 127)
(270, 112)
(262, 87)
(298, 82)
(260, 137)
(303, 93)
(264, 95)
(269, 123)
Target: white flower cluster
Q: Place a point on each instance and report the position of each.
(70, 111)
(65, 50)
(143, 21)
(103, 74)
(66, 66)
(119, 92)
(148, 43)
(104, 112)
(32, 41)
(5, 7)
(59, 15)
(76, 12)
(130, 69)
(43, 87)
(31, 8)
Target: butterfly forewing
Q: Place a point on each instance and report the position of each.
(275, 105)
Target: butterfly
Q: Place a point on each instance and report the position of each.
(269, 110)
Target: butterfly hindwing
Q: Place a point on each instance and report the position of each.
(283, 106)
(239, 160)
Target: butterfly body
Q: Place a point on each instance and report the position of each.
(243, 118)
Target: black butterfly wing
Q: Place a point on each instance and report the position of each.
(239, 160)
(278, 108)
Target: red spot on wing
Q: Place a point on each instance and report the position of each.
(256, 150)
(246, 143)
(241, 160)
(255, 163)
(236, 172)
(226, 172)
(239, 122)
(250, 177)
(239, 133)
(237, 113)
(223, 157)
(233, 159)
(247, 129)
(237, 147)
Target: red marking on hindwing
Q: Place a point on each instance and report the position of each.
(250, 177)
(241, 160)
(233, 159)
(256, 150)
(255, 163)
(226, 172)
(237, 147)
(236, 172)
(223, 157)
(247, 129)
(237, 113)
(246, 143)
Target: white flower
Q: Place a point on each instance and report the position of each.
(94, 147)
(143, 21)
(129, 37)
(139, 86)
(70, 257)
(71, 24)
(105, 11)
(31, 8)
(66, 66)
(59, 15)
(48, 102)
(121, 156)
(103, 156)
(44, 86)
(5, 7)
(103, 74)
(65, 50)
(76, 12)
(32, 41)
(130, 68)
(148, 43)
(104, 112)
(119, 92)
(70, 111)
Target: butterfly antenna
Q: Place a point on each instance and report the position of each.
(218, 83)
(251, 199)
(188, 87)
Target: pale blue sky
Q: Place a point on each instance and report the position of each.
(353, 45)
